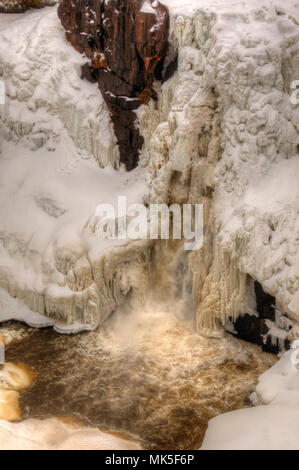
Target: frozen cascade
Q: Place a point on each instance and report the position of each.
(222, 133)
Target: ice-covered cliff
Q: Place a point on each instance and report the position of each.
(54, 434)
(223, 131)
(56, 135)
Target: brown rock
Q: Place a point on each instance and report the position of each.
(126, 42)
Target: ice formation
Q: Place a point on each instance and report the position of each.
(224, 132)
(56, 136)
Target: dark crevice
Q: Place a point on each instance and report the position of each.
(171, 69)
(255, 329)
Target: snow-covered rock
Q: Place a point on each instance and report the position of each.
(225, 134)
(56, 134)
(18, 6)
(273, 423)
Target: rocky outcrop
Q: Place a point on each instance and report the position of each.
(19, 6)
(126, 42)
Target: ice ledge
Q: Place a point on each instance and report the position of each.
(14, 309)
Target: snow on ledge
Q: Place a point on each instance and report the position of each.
(14, 309)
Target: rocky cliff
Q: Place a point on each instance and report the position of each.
(223, 131)
(225, 134)
(126, 42)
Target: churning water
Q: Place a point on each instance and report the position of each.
(149, 376)
(146, 374)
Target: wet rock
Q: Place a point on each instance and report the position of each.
(126, 42)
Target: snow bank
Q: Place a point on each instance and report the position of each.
(56, 135)
(273, 425)
(19, 6)
(45, 93)
(280, 384)
(263, 428)
(53, 434)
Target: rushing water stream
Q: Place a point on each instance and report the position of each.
(147, 375)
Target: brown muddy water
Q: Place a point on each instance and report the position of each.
(147, 376)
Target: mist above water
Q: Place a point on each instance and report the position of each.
(146, 374)
(162, 386)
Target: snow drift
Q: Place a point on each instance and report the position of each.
(53, 434)
(272, 424)
(56, 135)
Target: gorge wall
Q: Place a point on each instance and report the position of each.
(126, 42)
(221, 131)
(59, 160)
(223, 134)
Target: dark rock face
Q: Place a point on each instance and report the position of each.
(126, 42)
(255, 329)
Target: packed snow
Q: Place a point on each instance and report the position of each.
(273, 424)
(59, 161)
(53, 434)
